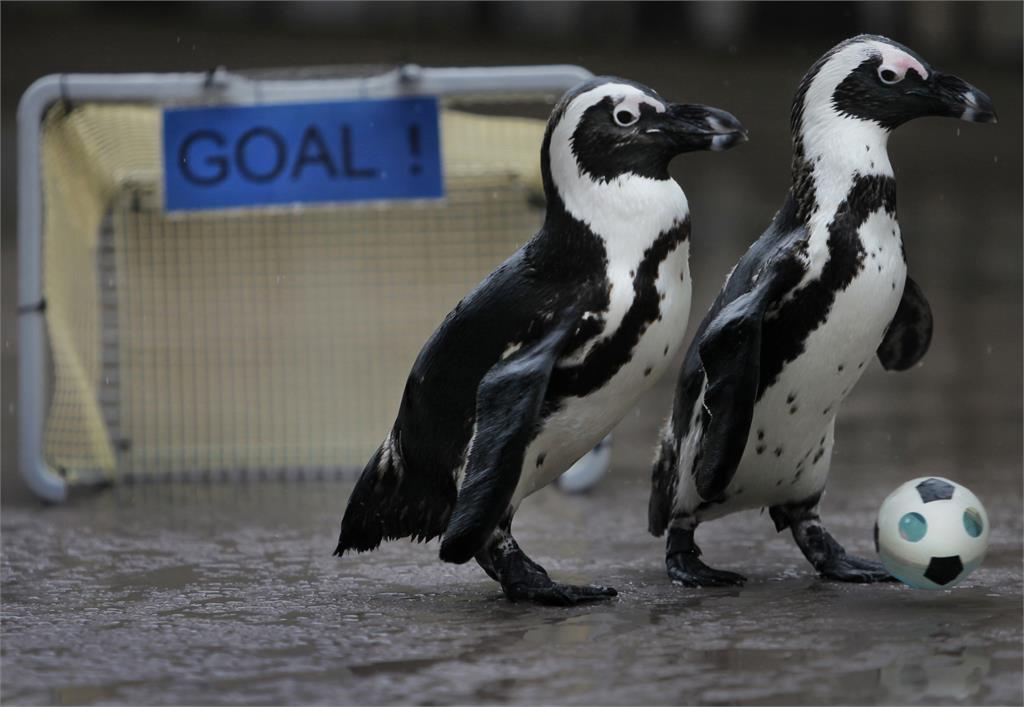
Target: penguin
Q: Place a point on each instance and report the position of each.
(537, 363)
(802, 314)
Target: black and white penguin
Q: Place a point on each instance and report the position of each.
(800, 317)
(546, 355)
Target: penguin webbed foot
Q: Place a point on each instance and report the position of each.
(687, 570)
(682, 561)
(525, 580)
(522, 579)
(555, 594)
(850, 568)
(826, 555)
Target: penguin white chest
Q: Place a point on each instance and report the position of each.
(836, 351)
(789, 448)
(581, 422)
(631, 215)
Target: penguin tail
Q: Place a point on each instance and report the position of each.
(664, 478)
(390, 501)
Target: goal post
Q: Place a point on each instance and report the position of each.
(272, 338)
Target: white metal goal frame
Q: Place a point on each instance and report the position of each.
(219, 87)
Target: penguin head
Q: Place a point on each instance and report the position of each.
(608, 128)
(878, 82)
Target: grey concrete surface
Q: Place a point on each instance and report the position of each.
(229, 595)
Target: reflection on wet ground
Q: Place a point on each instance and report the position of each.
(227, 594)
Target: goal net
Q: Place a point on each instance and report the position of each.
(255, 340)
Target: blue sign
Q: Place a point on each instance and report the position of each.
(226, 157)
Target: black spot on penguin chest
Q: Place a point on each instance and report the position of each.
(785, 332)
(615, 349)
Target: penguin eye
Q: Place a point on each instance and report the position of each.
(889, 76)
(625, 118)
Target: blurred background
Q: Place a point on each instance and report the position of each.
(959, 185)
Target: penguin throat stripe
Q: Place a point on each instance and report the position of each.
(785, 334)
(609, 355)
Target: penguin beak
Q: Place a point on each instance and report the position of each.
(955, 98)
(696, 127)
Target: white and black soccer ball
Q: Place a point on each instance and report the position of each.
(931, 533)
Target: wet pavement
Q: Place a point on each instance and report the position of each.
(226, 594)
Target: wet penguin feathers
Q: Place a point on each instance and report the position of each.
(508, 405)
(910, 333)
(408, 487)
(726, 353)
(388, 503)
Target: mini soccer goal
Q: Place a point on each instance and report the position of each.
(226, 298)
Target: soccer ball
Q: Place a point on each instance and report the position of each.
(931, 533)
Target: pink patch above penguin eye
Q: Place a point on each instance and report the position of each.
(896, 64)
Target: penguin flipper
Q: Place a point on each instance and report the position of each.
(909, 334)
(509, 400)
(730, 354)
